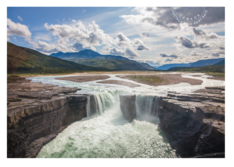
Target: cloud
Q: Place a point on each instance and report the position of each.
(163, 17)
(18, 29)
(201, 34)
(194, 53)
(20, 18)
(186, 42)
(122, 40)
(130, 53)
(78, 46)
(145, 34)
(168, 60)
(73, 21)
(140, 45)
(88, 36)
(171, 56)
(115, 51)
(215, 54)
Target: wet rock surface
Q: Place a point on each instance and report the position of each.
(128, 107)
(37, 112)
(195, 124)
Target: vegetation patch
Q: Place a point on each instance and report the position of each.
(146, 79)
(220, 76)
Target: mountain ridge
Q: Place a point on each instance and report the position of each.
(25, 60)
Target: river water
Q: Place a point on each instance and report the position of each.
(107, 134)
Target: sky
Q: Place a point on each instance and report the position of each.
(155, 35)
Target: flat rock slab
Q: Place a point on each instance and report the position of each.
(83, 78)
(117, 82)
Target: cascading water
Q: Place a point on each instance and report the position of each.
(147, 107)
(107, 133)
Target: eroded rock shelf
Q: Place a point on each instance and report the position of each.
(37, 113)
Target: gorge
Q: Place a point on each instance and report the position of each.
(52, 117)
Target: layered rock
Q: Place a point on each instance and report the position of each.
(127, 106)
(37, 112)
(194, 124)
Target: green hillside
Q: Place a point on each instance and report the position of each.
(147, 66)
(24, 60)
(111, 64)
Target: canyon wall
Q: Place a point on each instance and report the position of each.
(37, 113)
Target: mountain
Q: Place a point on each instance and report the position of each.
(207, 62)
(215, 68)
(92, 58)
(220, 63)
(147, 66)
(112, 64)
(168, 66)
(200, 63)
(24, 60)
(85, 54)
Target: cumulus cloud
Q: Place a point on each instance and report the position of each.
(20, 18)
(168, 60)
(80, 35)
(122, 40)
(140, 45)
(194, 53)
(201, 34)
(186, 42)
(163, 17)
(130, 53)
(73, 21)
(171, 56)
(78, 47)
(215, 54)
(115, 51)
(18, 29)
(145, 34)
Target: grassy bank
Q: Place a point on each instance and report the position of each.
(219, 76)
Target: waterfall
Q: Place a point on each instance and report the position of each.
(88, 107)
(147, 107)
(101, 101)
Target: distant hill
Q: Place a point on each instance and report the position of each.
(85, 54)
(24, 60)
(207, 62)
(112, 64)
(200, 63)
(168, 66)
(220, 63)
(147, 66)
(215, 68)
(92, 58)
